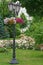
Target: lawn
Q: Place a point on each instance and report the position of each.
(24, 57)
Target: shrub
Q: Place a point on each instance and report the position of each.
(3, 33)
(36, 31)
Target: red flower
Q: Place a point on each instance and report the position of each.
(19, 20)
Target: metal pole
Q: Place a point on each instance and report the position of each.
(14, 36)
(14, 61)
(14, 53)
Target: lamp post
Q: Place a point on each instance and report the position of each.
(14, 7)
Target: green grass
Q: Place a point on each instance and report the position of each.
(24, 57)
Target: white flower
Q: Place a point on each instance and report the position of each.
(24, 41)
(30, 18)
(19, 45)
(12, 18)
(6, 20)
(24, 11)
(26, 45)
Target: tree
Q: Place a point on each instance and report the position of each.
(4, 11)
(34, 7)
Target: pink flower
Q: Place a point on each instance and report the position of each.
(19, 20)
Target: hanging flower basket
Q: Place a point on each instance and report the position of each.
(13, 20)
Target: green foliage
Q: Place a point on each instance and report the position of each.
(3, 50)
(37, 19)
(12, 29)
(3, 33)
(17, 32)
(34, 7)
(36, 31)
(4, 11)
(25, 21)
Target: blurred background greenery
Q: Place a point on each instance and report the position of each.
(34, 9)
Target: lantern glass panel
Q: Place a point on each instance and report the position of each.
(17, 8)
(10, 7)
(14, 7)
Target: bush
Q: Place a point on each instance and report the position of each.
(3, 32)
(36, 31)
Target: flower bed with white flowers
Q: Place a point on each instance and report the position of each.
(23, 42)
